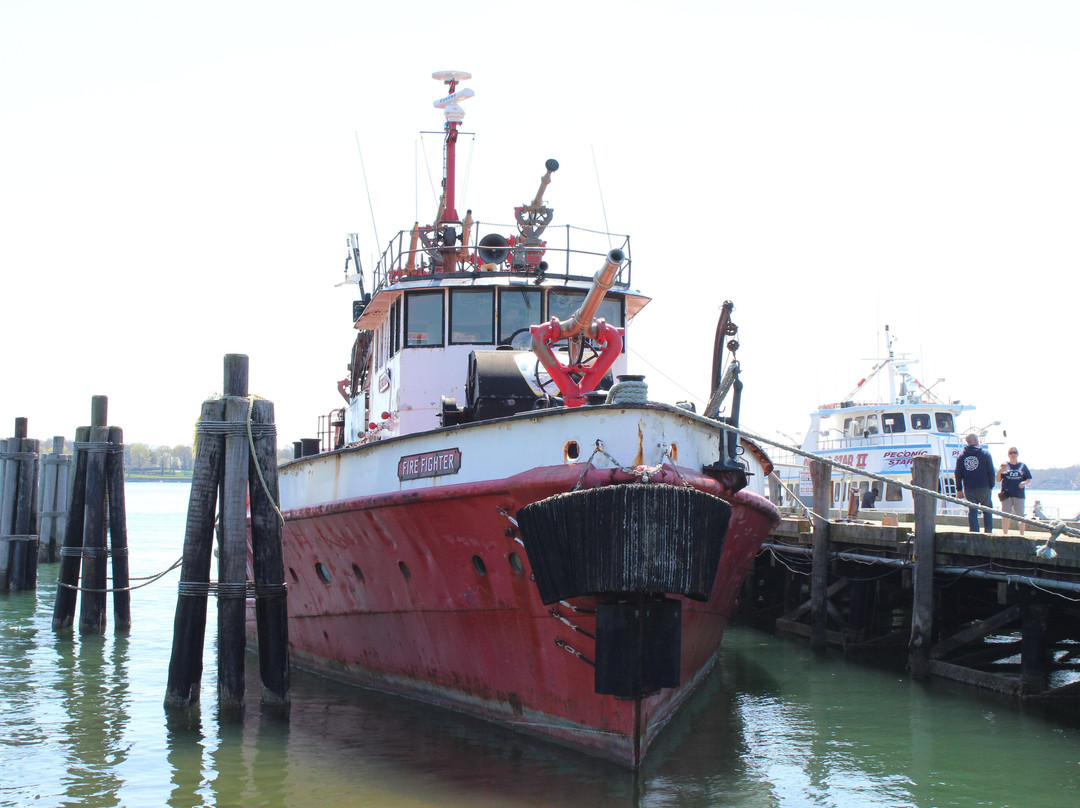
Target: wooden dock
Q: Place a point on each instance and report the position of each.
(981, 608)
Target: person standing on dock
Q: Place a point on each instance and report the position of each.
(975, 481)
(1014, 477)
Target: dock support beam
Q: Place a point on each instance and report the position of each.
(924, 474)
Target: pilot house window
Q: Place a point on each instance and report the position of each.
(518, 309)
(944, 421)
(920, 420)
(423, 319)
(892, 422)
(472, 316)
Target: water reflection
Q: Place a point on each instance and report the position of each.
(93, 683)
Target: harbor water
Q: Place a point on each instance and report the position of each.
(82, 723)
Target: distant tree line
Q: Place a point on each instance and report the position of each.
(1056, 479)
(144, 457)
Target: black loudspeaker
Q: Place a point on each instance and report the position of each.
(494, 249)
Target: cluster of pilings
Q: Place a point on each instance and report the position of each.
(96, 530)
(18, 510)
(235, 463)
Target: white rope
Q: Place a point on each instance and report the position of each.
(628, 392)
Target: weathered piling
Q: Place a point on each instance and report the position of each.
(820, 476)
(92, 612)
(53, 504)
(228, 472)
(232, 560)
(271, 613)
(118, 541)
(71, 552)
(189, 625)
(924, 474)
(97, 514)
(18, 510)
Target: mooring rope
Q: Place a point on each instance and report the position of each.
(631, 391)
(149, 579)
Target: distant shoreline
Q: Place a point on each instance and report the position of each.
(148, 477)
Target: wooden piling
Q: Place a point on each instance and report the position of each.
(924, 474)
(232, 561)
(71, 551)
(8, 451)
(118, 546)
(1034, 648)
(18, 510)
(821, 479)
(189, 626)
(271, 614)
(53, 505)
(92, 612)
(24, 554)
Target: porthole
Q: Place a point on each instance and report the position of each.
(404, 570)
(516, 565)
(673, 453)
(359, 573)
(571, 450)
(479, 564)
(323, 572)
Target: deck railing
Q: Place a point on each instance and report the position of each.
(569, 252)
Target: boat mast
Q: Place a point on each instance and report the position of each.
(454, 116)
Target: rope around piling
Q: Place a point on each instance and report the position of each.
(235, 428)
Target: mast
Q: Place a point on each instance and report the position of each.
(454, 116)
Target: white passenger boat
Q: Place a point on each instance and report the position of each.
(881, 438)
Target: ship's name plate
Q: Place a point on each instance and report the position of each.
(429, 464)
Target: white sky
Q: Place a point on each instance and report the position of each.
(177, 180)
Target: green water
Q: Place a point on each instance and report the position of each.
(82, 723)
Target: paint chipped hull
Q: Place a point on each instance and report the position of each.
(427, 590)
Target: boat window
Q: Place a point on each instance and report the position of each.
(893, 492)
(472, 316)
(563, 302)
(423, 319)
(892, 422)
(857, 427)
(872, 424)
(518, 309)
(836, 492)
(395, 318)
(920, 420)
(848, 426)
(944, 421)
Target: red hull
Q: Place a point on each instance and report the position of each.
(428, 594)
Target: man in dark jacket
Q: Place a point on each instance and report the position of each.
(975, 478)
